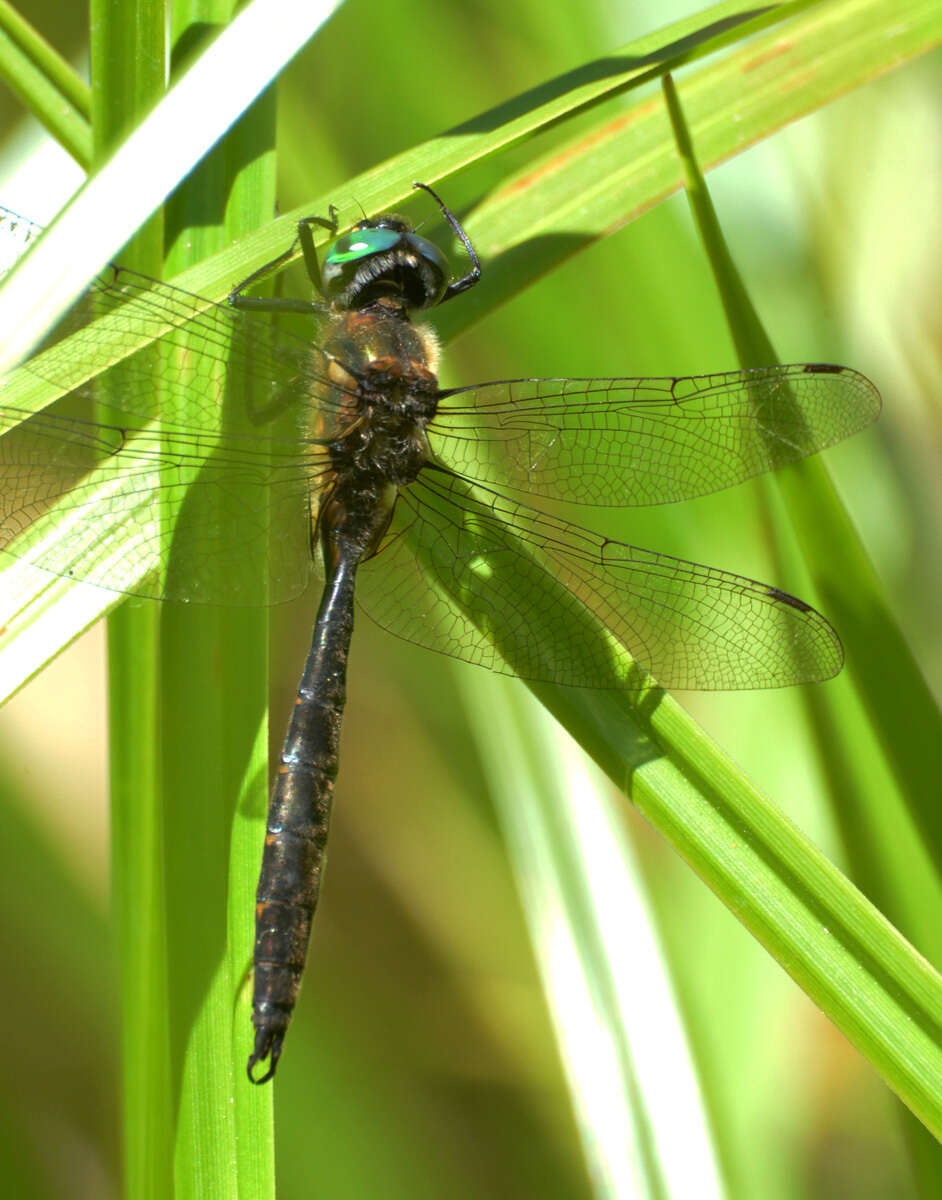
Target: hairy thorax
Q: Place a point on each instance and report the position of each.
(382, 368)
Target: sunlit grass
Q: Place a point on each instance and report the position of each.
(424, 1039)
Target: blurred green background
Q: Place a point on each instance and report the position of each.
(421, 1061)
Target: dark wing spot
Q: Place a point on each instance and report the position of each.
(791, 601)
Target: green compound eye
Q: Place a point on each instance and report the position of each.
(430, 253)
(361, 244)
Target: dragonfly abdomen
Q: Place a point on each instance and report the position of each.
(299, 817)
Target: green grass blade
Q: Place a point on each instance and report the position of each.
(597, 725)
(543, 216)
(882, 995)
(594, 184)
(214, 685)
(190, 735)
(215, 754)
(138, 869)
(46, 84)
(631, 161)
(876, 648)
(56, 69)
(622, 166)
(43, 614)
(878, 658)
(621, 1038)
(142, 171)
(173, 137)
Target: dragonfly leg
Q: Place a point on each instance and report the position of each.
(282, 304)
(470, 279)
(309, 250)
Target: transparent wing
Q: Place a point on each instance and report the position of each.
(167, 514)
(176, 353)
(520, 592)
(214, 505)
(16, 233)
(647, 441)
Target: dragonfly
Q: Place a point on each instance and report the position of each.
(228, 461)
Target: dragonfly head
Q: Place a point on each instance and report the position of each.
(384, 257)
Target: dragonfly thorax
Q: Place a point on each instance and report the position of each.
(384, 393)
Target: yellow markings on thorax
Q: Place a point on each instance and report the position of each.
(340, 376)
(431, 345)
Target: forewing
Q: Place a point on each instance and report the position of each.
(473, 574)
(170, 353)
(211, 505)
(647, 441)
(16, 235)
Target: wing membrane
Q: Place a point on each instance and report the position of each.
(189, 510)
(647, 441)
(241, 424)
(157, 340)
(160, 513)
(524, 593)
